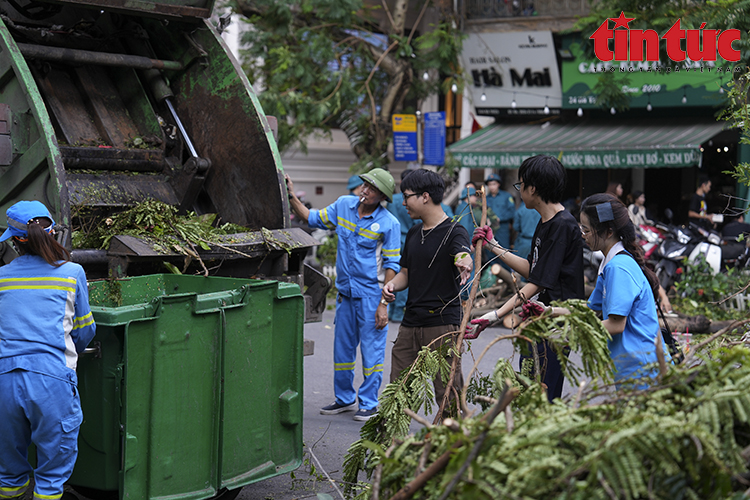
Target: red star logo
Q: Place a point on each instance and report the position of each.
(621, 21)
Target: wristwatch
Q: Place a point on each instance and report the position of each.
(384, 302)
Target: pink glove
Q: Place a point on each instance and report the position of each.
(482, 233)
(530, 309)
(475, 327)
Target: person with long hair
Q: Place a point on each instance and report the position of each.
(45, 322)
(626, 289)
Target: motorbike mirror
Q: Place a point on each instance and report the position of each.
(669, 214)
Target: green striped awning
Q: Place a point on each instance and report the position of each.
(590, 143)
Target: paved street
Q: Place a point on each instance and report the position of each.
(327, 438)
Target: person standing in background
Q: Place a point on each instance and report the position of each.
(614, 188)
(637, 210)
(698, 210)
(503, 205)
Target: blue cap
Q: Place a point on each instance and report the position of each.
(466, 192)
(19, 216)
(354, 181)
(493, 177)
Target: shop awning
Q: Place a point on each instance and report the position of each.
(612, 143)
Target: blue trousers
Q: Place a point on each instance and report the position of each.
(43, 410)
(355, 325)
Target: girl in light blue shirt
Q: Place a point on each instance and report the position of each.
(625, 289)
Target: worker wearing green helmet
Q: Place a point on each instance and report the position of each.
(368, 254)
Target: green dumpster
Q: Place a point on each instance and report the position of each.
(192, 385)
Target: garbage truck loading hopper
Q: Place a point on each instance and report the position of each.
(106, 104)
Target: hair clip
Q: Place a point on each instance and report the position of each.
(604, 212)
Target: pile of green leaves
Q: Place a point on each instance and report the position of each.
(154, 221)
(685, 437)
(580, 330)
(701, 290)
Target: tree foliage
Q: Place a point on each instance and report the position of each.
(685, 437)
(345, 63)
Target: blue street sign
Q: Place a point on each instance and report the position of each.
(434, 138)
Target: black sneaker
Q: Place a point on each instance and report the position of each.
(335, 408)
(365, 415)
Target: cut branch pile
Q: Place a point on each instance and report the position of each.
(686, 437)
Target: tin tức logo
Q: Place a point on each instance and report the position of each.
(700, 44)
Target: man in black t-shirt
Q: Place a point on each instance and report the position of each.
(698, 210)
(554, 267)
(435, 262)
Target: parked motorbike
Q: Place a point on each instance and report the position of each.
(686, 243)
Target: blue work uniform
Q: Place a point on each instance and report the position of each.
(366, 247)
(45, 321)
(504, 206)
(525, 222)
(622, 289)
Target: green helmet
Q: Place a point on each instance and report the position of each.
(382, 180)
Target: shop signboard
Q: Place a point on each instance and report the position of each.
(678, 157)
(512, 73)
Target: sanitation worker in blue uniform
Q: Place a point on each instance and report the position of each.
(368, 255)
(504, 205)
(45, 322)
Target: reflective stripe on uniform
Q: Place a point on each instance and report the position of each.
(374, 369)
(324, 218)
(14, 492)
(83, 321)
(369, 234)
(47, 497)
(66, 284)
(347, 224)
(339, 367)
(391, 252)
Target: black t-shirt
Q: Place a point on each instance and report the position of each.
(556, 258)
(434, 283)
(698, 205)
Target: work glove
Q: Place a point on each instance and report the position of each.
(477, 326)
(483, 233)
(531, 308)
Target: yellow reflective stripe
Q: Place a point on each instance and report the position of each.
(66, 289)
(347, 223)
(339, 367)
(374, 369)
(51, 283)
(324, 218)
(64, 280)
(369, 234)
(47, 497)
(10, 492)
(83, 321)
(391, 253)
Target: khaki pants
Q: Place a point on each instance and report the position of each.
(407, 346)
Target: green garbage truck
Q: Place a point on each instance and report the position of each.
(192, 387)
